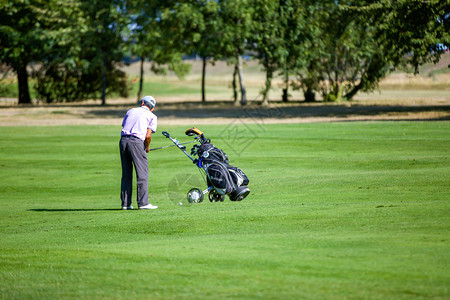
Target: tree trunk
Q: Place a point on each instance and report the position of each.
(309, 95)
(104, 80)
(22, 78)
(235, 73)
(284, 96)
(340, 90)
(286, 87)
(265, 100)
(335, 95)
(141, 79)
(203, 80)
(349, 96)
(241, 82)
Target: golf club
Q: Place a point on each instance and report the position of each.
(171, 146)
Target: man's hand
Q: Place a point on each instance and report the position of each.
(148, 139)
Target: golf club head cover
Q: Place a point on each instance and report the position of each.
(195, 131)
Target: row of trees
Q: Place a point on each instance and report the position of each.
(329, 47)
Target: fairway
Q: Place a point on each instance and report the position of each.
(356, 210)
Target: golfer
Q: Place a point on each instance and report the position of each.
(137, 127)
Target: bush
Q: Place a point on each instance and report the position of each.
(56, 83)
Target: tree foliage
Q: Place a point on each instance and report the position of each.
(266, 40)
(23, 38)
(348, 60)
(411, 32)
(357, 43)
(327, 47)
(234, 32)
(153, 39)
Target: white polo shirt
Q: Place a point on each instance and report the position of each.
(137, 121)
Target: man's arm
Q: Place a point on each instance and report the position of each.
(148, 139)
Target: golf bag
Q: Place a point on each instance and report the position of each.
(221, 178)
(226, 179)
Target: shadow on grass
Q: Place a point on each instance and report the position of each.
(74, 209)
(281, 111)
(254, 111)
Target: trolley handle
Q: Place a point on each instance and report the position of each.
(178, 144)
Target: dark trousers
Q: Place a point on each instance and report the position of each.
(132, 152)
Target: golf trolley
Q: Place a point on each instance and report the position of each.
(221, 178)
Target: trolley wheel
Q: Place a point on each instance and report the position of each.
(195, 195)
(214, 196)
(240, 193)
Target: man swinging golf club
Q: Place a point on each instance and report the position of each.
(137, 127)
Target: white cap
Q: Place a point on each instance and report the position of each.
(149, 101)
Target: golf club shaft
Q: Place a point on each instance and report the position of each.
(171, 146)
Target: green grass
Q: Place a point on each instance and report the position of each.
(171, 88)
(337, 210)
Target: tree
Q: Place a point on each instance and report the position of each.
(308, 48)
(208, 46)
(359, 44)
(84, 65)
(233, 35)
(335, 51)
(68, 42)
(58, 73)
(152, 38)
(22, 35)
(349, 56)
(405, 33)
(293, 56)
(266, 40)
(213, 30)
(194, 27)
(104, 41)
(409, 32)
